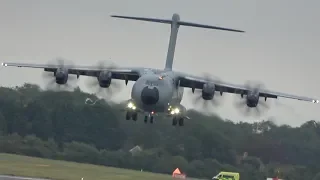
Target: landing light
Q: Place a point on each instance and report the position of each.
(175, 111)
(131, 106)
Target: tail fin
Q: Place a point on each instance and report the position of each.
(175, 23)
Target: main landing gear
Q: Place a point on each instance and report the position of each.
(131, 112)
(177, 120)
(131, 115)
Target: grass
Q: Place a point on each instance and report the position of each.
(61, 170)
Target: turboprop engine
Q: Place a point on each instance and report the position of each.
(104, 79)
(252, 98)
(208, 91)
(61, 75)
(102, 85)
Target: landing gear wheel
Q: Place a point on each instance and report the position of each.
(145, 119)
(151, 119)
(181, 122)
(174, 121)
(128, 116)
(135, 116)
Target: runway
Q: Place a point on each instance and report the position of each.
(4, 177)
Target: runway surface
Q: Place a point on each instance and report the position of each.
(4, 177)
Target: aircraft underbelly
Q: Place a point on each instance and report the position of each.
(177, 96)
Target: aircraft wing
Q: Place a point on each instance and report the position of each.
(197, 83)
(131, 74)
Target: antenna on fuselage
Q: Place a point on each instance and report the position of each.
(175, 24)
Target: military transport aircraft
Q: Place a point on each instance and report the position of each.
(160, 91)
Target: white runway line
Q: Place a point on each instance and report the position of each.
(6, 177)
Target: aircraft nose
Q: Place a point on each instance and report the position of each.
(150, 96)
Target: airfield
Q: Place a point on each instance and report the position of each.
(43, 169)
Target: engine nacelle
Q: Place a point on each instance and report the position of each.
(252, 99)
(104, 79)
(208, 91)
(61, 75)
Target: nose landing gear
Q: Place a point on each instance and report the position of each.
(150, 117)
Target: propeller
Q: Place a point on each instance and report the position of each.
(50, 78)
(254, 88)
(93, 83)
(217, 98)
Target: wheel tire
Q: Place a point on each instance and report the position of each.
(151, 119)
(135, 116)
(174, 121)
(128, 116)
(181, 122)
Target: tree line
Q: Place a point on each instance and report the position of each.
(59, 125)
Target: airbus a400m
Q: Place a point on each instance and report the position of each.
(160, 90)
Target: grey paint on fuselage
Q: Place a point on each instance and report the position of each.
(170, 94)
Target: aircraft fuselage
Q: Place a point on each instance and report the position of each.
(155, 92)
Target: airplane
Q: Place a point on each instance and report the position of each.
(160, 91)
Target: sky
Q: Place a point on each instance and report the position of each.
(280, 47)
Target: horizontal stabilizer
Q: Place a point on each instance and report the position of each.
(144, 19)
(206, 26)
(175, 19)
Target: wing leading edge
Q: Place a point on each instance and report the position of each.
(197, 83)
(131, 74)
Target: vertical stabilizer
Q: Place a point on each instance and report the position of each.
(172, 41)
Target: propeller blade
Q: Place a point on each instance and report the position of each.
(217, 98)
(262, 105)
(258, 111)
(93, 83)
(50, 78)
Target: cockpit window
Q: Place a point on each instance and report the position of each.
(151, 83)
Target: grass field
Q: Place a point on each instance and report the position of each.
(61, 170)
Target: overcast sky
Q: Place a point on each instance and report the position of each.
(280, 46)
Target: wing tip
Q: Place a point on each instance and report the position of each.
(316, 101)
(117, 16)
